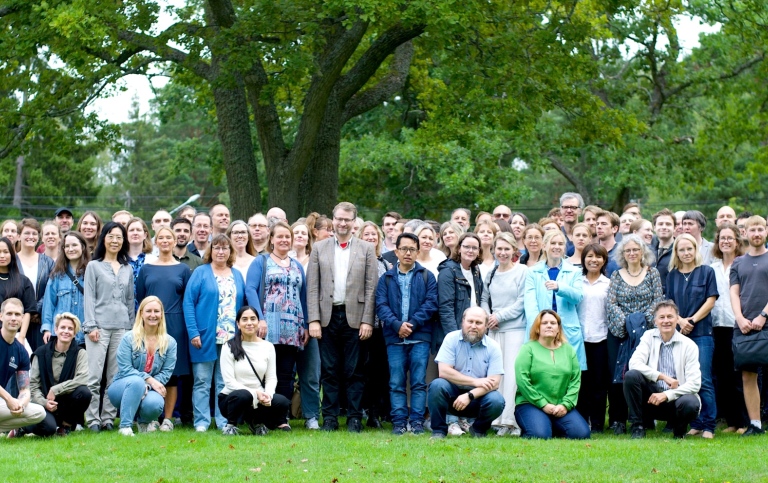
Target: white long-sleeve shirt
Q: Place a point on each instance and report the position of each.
(239, 375)
(686, 355)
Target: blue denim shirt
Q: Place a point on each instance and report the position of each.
(131, 362)
(404, 281)
(61, 296)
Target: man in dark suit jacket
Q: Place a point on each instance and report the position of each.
(341, 285)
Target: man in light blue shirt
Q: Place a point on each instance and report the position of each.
(471, 368)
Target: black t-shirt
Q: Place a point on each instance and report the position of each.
(26, 294)
(13, 358)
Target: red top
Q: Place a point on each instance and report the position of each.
(150, 361)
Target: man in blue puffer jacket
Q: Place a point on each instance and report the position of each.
(406, 300)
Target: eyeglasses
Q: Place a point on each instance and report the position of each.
(728, 239)
(260, 226)
(501, 215)
(239, 233)
(408, 250)
(632, 250)
(114, 237)
(470, 248)
(220, 249)
(569, 208)
(343, 220)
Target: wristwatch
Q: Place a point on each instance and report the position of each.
(470, 396)
(764, 315)
(690, 321)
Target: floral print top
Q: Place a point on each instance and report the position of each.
(624, 299)
(225, 322)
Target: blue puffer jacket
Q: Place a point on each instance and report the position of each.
(422, 305)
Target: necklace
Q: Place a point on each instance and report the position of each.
(282, 259)
(633, 275)
(3, 278)
(689, 275)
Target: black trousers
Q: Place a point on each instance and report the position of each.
(285, 364)
(729, 392)
(594, 385)
(238, 406)
(71, 410)
(376, 392)
(678, 413)
(617, 405)
(342, 360)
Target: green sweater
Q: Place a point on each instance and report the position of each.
(542, 380)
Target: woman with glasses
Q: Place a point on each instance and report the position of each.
(727, 247)
(245, 253)
(533, 236)
(635, 288)
(693, 287)
(213, 296)
(459, 287)
(109, 309)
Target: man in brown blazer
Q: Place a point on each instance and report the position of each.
(341, 280)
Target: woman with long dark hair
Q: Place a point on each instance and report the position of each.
(37, 268)
(166, 278)
(13, 284)
(109, 312)
(248, 365)
(67, 285)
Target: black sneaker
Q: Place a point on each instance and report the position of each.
(330, 424)
(399, 430)
(107, 427)
(354, 425)
(619, 428)
(474, 433)
(638, 432)
(374, 422)
(753, 430)
(417, 428)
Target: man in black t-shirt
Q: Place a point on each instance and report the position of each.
(15, 409)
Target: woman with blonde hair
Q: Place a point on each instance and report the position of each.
(145, 361)
(449, 237)
(533, 235)
(245, 253)
(428, 257)
(302, 242)
(486, 230)
(89, 226)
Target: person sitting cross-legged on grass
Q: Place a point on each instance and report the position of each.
(548, 381)
(664, 376)
(471, 367)
(59, 379)
(146, 357)
(248, 367)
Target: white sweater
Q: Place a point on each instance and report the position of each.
(239, 375)
(686, 355)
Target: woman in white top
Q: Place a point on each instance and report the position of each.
(486, 231)
(248, 369)
(37, 267)
(596, 379)
(428, 257)
(727, 246)
(503, 299)
(245, 253)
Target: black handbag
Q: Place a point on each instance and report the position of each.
(750, 349)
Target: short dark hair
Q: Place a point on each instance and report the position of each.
(665, 304)
(696, 216)
(178, 221)
(610, 215)
(391, 214)
(744, 215)
(409, 236)
(663, 212)
(598, 250)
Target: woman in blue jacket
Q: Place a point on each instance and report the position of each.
(556, 284)
(214, 295)
(66, 287)
(145, 361)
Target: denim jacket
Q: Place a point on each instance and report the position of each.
(131, 362)
(61, 295)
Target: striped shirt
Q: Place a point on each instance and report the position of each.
(666, 364)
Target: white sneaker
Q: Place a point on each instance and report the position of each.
(454, 429)
(153, 426)
(167, 426)
(427, 425)
(514, 431)
(125, 431)
(502, 430)
(311, 423)
(79, 427)
(230, 430)
(201, 429)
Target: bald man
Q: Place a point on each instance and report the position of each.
(726, 214)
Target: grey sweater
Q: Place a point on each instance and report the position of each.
(506, 295)
(108, 298)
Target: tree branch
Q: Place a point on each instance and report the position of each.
(569, 175)
(394, 81)
(152, 44)
(15, 141)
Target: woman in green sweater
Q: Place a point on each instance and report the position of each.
(548, 378)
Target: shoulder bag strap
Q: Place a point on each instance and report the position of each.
(74, 280)
(262, 380)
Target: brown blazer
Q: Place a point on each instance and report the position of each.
(361, 282)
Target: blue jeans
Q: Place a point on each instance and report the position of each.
(535, 423)
(308, 366)
(203, 373)
(404, 358)
(708, 414)
(127, 395)
(443, 393)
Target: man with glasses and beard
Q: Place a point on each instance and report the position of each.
(570, 209)
(471, 368)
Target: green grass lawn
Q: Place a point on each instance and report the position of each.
(302, 455)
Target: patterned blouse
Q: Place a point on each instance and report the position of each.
(282, 304)
(624, 299)
(225, 324)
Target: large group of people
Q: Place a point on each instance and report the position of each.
(538, 329)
